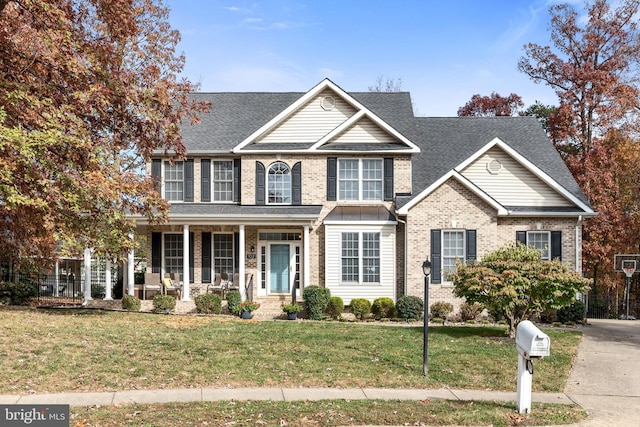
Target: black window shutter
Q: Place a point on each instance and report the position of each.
(156, 173)
(156, 252)
(296, 184)
(205, 180)
(471, 254)
(191, 256)
(436, 259)
(206, 257)
(556, 245)
(237, 176)
(332, 178)
(188, 180)
(236, 253)
(388, 178)
(260, 186)
(521, 236)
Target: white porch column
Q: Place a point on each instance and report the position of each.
(107, 279)
(130, 266)
(87, 275)
(307, 258)
(241, 272)
(185, 263)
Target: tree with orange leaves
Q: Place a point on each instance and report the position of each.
(90, 90)
(592, 68)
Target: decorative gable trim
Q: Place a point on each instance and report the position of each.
(497, 142)
(303, 100)
(464, 181)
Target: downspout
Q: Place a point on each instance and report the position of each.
(577, 247)
(405, 258)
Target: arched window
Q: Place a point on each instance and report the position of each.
(279, 184)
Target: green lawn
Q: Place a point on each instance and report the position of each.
(81, 350)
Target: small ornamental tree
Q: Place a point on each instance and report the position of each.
(515, 282)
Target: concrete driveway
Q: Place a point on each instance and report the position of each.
(605, 379)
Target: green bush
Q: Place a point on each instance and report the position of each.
(470, 311)
(441, 309)
(409, 307)
(316, 299)
(360, 307)
(233, 301)
(17, 293)
(98, 291)
(335, 307)
(164, 303)
(575, 312)
(131, 303)
(208, 304)
(383, 307)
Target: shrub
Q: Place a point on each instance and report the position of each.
(233, 301)
(470, 311)
(383, 307)
(335, 307)
(131, 303)
(549, 315)
(208, 304)
(441, 309)
(360, 307)
(575, 312)
(164, 303)
(409, 307)
(316, 299)
(17, 293)
(98, 291)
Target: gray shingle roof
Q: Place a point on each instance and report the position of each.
(233, 116)
(445, 142)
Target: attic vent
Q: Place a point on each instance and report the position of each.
(328, 103)
(494, 167)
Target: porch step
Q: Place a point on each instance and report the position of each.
(271, 307)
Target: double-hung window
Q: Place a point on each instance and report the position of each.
(360, 257)
(360, 179)
(173, 253)
(453, 249)
(540, 240)
(174, 181)
(223, 253)
(222, 181)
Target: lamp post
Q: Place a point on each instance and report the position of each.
(426, 269)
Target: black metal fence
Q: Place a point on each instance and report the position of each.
(612, 305)
(50, 290)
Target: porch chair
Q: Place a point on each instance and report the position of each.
(151, 283)
(216, 286)
(171, 285)
(235, 284)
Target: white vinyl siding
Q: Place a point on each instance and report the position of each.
(382, 253)
(311, 122)
(365, 131)
(513, 184)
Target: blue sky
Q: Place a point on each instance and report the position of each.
(444, 52)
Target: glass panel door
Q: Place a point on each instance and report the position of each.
(280, 260)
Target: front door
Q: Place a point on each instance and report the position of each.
(280, 269)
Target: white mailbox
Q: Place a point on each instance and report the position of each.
(531, 342)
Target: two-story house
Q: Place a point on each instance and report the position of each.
(350, 191)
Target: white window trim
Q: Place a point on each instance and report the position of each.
(212, 181)
(443, 278)
(164, 177)
(360, 281)
(360, 180)
(266, 186)
(548, 249)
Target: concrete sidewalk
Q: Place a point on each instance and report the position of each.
(274, 393)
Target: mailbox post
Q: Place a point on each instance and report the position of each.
(531, 343)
